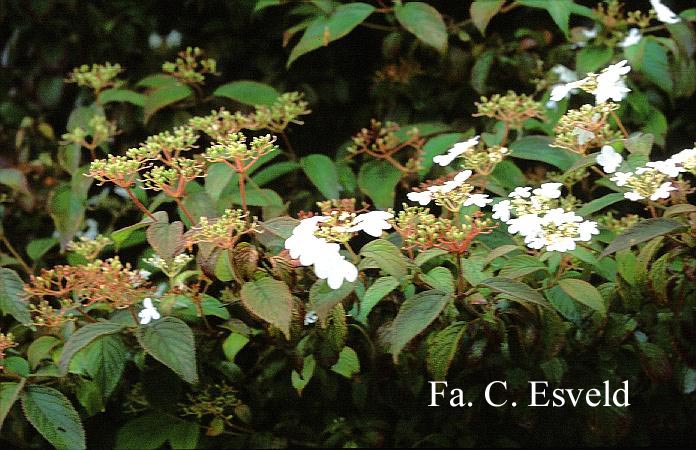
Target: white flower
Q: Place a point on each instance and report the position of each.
(561, 244)
(683, 156)
(372, 223)
(586, 229)
(521, 192)
(621, 178)
(632, 38)
(610, 84)
(173, 39)
(663, 191)
(480, 200)
(453, 184)
(609, 159)
(548, 190)
(423, 198)
(667, 167)
(584, 136)
(561, 91)
(149, 312)
(144, 274)
(526, 225)
(154, 40)
(310, 318)
(334, 268)
(458, 149)
(633, 196)
(501, 210)
(664, 14)
(565, 75)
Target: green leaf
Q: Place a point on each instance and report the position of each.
(11, 296)
(54, 417)
(105, 361)
(121, 95)
(425, 22)
(515, 289)
(170, 341)
(321, 171)
(233, 344)
(560, 10)
(600, 203)
(166, 239)
(414, 316)
(120, 236)
(652, 60)
(643, 231)
(157, 80)
(220, 177)
(248, 92)
(41, 349)
(538, 148)
(655, 362)
(348, 363)
(273, 171)
(677, 210)
(640, 144)
(437, 146)
(322, 298)
(325, 29)
(481, 70)
(39, 247)
(508, 175)
(387, 256)
(379, 289)
(592, 58)
(482, 11)
(153, 430)
(427, 255)
(67, 208)
(583, 292)
(300, 380)
(521, 265)
(442, 349)
(439, 278)
(378, 180)
(275, 231)
(269, 300)
(163, 97)
(83, 337)
(9, 392)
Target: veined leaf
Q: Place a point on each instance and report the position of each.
(538, 148)
(600, 203)
(248, 92)
(321, 171)
(270, 300)
(641, 232)
(583, 292)
(482, 11)
(379, 289)
(387, 256)
(424, 21)
(163, 97)
(11, 296)
(52, 414)
(322, 298)
(170, 341)
(515, 289)
(83, 337)
(442, 349)
(378, 179)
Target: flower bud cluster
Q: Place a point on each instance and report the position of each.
(172, 267)
(100, 130)
(6, 341)
(172, 178)
(584, 128)
(234, 147)
(169, 143)
(511, 108)
(89, 248)
(119, 170)
(96, 77)
(190, 67)
(224, 231)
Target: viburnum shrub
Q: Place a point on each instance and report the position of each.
(199, 299)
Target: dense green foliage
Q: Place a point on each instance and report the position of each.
(150, 290)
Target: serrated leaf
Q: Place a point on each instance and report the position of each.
(592, 58)
(322, 298)
(376, 292)
(439, 278)
(269, 300)
(652, 60)
(121, 96)
(163, 97)
(521, 265)
(121, 235)
(105, 360)
(378, 179)
(414, 316)
(248, 92)
(387, 256)
(424, 21)
(641, 232)
(482, 11)
(321, 171)
(442, 349)
(41, 349)
(170, 341)
(83, 337)
(584, 292)
(52, 414)
(167, 239)
(325, 29)
(11, 296)
(9, 393)
(515, 289)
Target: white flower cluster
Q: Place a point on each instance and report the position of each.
(540, 221)
(426, 196)
(325, 256)
(608, 85)
(609, 159)
(149, 312)
(651, 181)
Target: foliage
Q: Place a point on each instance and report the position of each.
(223, 250)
